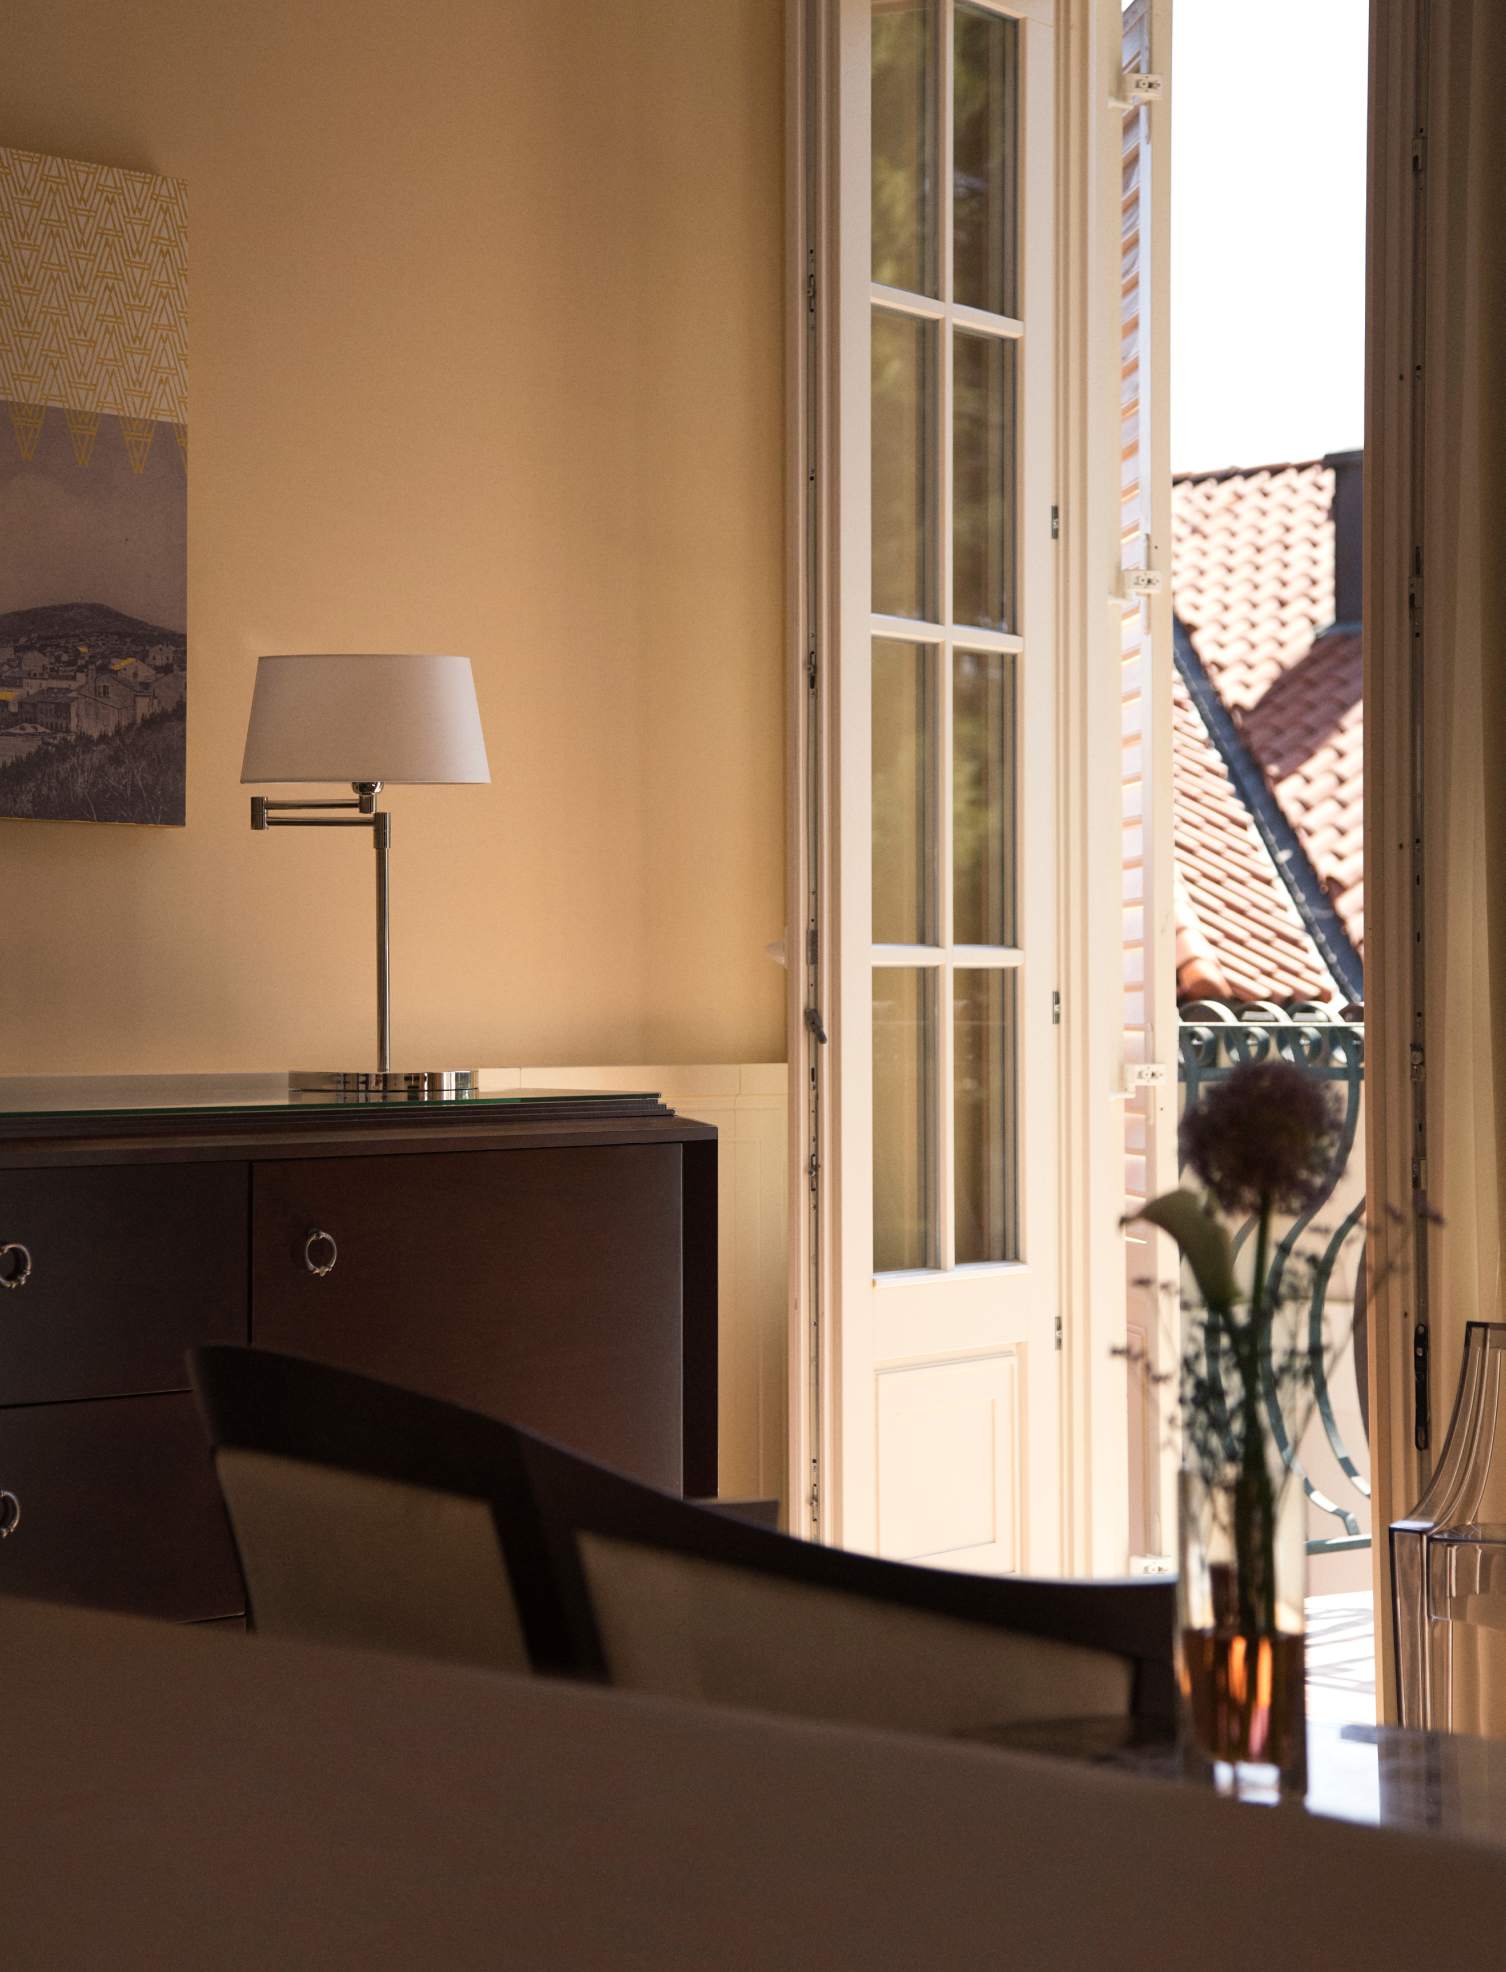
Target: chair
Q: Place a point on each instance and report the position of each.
(365, 1514)
(661, 1597)
(369, 1514)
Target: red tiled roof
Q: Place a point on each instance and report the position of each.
(1308, 734)
(1252, 571)
(1238, 933)
(1253, 585)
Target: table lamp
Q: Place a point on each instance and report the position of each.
(371, 720)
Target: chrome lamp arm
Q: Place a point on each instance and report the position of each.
(267, 814)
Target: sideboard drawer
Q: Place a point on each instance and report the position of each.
(127, 1266)
(543, 1286)
(116, 1504)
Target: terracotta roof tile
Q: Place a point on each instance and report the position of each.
(1236, 919)
(1253, 585)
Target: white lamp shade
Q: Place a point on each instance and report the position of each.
(364, 717)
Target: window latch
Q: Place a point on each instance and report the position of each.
(814, 1026)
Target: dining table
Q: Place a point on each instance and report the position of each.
(182, 1797)
(1380, 1776)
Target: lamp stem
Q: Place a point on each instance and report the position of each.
(381, 836)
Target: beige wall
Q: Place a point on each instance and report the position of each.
(485, 356)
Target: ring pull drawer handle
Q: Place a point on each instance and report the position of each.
(10, 1513)
(318, 1238)
(22, 1273)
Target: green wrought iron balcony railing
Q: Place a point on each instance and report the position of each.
(1329, 1238)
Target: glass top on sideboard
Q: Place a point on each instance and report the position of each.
(23, 1097)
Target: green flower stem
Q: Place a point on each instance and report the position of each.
(1262, 1263)
(1254, 1494)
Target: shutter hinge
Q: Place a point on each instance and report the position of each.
(1140, 1075)
(1136, 90)
(1056, 1006)
(1152, 1564)
(1058, 1331)
(1140, 582)
(1056, 523)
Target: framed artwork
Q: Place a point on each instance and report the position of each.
(93, 492)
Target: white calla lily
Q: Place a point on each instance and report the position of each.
(1204, 1242)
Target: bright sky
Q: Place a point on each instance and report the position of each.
(1267, 230)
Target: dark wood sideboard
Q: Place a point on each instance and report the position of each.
(548, 1258)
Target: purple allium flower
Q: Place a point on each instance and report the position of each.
(1263, 1138)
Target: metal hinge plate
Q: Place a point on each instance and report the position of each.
(1153, 1564)
(1421, 1395)
(1137, 89)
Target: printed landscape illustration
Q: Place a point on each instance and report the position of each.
(92, 715)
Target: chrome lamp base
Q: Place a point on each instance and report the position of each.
(387, 1084)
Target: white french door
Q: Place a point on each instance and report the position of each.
(945, 1406)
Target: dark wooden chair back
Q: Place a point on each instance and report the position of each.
(368, 1514)
(661, 1596)
(607, 1578)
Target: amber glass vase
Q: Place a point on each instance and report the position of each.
(1241, 1589)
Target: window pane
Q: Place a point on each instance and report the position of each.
(904, 144)
(904, 792)
(985, 1114)
(985, 161)
(983, 481)
(904, 1130)
(984, 778)
(904, 418)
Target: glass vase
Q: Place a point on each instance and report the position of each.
(1241, 1592)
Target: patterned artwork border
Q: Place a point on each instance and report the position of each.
(93, 288)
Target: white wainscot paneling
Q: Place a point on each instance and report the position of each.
(950, 1462)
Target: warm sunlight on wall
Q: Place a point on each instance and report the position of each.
(485, 356)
